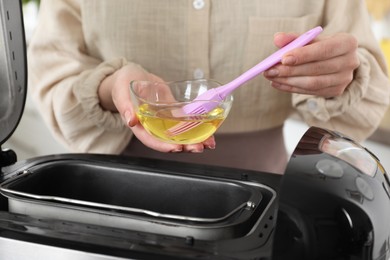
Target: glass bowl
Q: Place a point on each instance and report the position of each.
(158, 106)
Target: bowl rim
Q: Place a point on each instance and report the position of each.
(228, 99)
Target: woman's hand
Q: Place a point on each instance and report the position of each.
(323, 68)
(114, 95)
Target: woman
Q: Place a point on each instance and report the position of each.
(83, 55)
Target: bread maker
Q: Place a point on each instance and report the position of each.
(332, 202)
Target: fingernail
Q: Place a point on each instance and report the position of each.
(177, 150)
(289, 60)
(272, 73)
(196, 151)
(210, 146)
(127, 117)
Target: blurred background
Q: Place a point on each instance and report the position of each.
(32, 138)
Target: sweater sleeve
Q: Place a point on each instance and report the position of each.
(359, 110)
(64, 80)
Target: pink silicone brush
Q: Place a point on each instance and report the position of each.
(219, 94)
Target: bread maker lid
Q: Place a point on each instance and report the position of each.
(333, 198)
(13, 70)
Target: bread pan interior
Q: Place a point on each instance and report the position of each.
(138, 190)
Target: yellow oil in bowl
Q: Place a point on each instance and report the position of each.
(157, 123)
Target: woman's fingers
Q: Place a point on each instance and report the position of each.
(323, 68)
(321, 49)
(153, 143)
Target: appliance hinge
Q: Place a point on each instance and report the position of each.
(7, 157)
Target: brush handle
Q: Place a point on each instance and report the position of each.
(267, 63)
